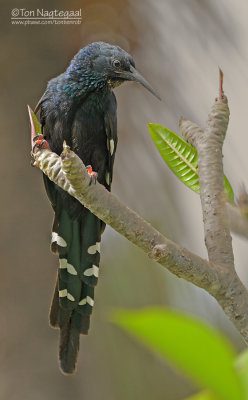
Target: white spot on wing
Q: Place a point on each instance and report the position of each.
(63, 264)
(94, 270)
(107, 176)
(94, 248)
(65, 293)
(70, 297)
(88, 300)
(111, 146)
(58, 239)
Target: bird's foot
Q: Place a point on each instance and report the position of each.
(93, 175)
(40, 143)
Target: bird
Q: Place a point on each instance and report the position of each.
(79, 107)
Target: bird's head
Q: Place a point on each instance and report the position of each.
(100, 64)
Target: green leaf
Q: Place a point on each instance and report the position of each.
(193, 346)
(36, 123)
(229, 190)
(242, 368)
(204, 396)
(181, 158)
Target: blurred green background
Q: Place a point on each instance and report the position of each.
(177, 46)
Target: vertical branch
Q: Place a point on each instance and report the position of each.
(217, 234)
(209, 145)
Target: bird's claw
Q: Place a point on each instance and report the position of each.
(92, 174)
(40, 143)
(33, 162)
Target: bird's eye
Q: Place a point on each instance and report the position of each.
(116, 63)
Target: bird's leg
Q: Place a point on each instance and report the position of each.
(37, 139)
(93, 175)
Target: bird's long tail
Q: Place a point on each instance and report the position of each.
(77, 242)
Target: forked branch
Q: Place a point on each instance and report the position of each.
(217, 276)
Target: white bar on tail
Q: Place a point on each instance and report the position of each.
(63, 264)
(88, 300)
(65, 293)
(94, 270)
(94, 248)
(58, 239)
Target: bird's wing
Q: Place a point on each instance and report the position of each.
(110, 123)
(38, 105)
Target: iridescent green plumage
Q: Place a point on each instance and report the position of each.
(79, 107)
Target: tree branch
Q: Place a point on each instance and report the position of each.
(217, 277)
(69, 172)
(208, 144)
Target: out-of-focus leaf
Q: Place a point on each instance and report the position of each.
(242, 368)
(229, 190)
(204, 396)
(181, 158)
(193, 346)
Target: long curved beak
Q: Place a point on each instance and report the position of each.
(134, 75)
